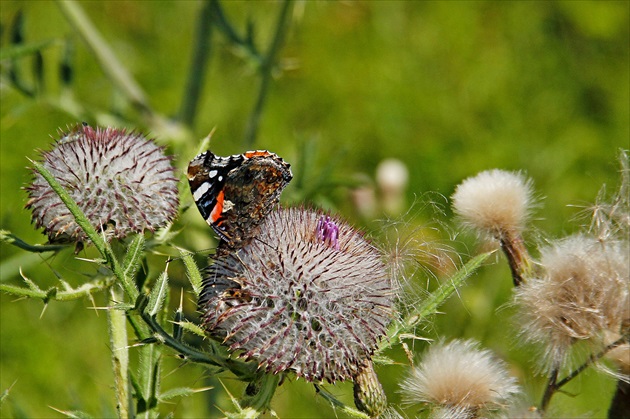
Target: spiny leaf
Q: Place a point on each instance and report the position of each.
(431, 304)
(133, 257)
(158, 294)
(194, 276)
(182, 392)
(192, 327)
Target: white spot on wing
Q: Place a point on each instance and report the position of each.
(212, 173)
(201, 190)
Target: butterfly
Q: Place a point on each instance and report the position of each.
(234, 194)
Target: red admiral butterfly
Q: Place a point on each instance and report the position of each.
(234, 194)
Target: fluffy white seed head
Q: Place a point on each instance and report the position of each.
(121, 181)
(309, 294)
(460, 380)
(583, 291)
(494, 202)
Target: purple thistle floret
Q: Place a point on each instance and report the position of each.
(328, 232)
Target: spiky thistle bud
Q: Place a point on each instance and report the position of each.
(369, 396)
(497, 203)
(121, 181)
(582, 292)
(309, 294)
(459, 380)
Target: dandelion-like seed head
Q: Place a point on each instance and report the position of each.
(494, 202)
(583, 291)
(121, 181)
(309, 294)
(459, 378)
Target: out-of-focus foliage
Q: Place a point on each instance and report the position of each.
(449, 88)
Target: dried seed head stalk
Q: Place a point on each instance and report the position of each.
(497, 203)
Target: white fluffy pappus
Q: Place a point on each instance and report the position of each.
(460, 377)
(582, 292)
(494, 202)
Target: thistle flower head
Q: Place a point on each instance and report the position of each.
(459, 380)
(582, 292)
(309, 294)
(494, 202)
(121, 181)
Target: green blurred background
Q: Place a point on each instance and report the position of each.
(449, 88)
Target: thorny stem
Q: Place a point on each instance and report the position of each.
(431, 304)
(336, 404)
(555, 385)
(120, 358)
(266, 69)
(244, 371)
(262, 388)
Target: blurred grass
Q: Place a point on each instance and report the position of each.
(449, 88)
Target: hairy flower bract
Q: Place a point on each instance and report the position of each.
(121, 181)
(309, 294)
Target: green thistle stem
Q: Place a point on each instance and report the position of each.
(117, 323)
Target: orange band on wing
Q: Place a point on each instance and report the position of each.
(218, 208)
(257, 153)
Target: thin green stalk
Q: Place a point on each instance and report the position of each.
(105, 56)
(197, 70)
(10, 238)
(336, 404)
(221, 22)
(266, 68)
(117, 323)
(83, 222)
